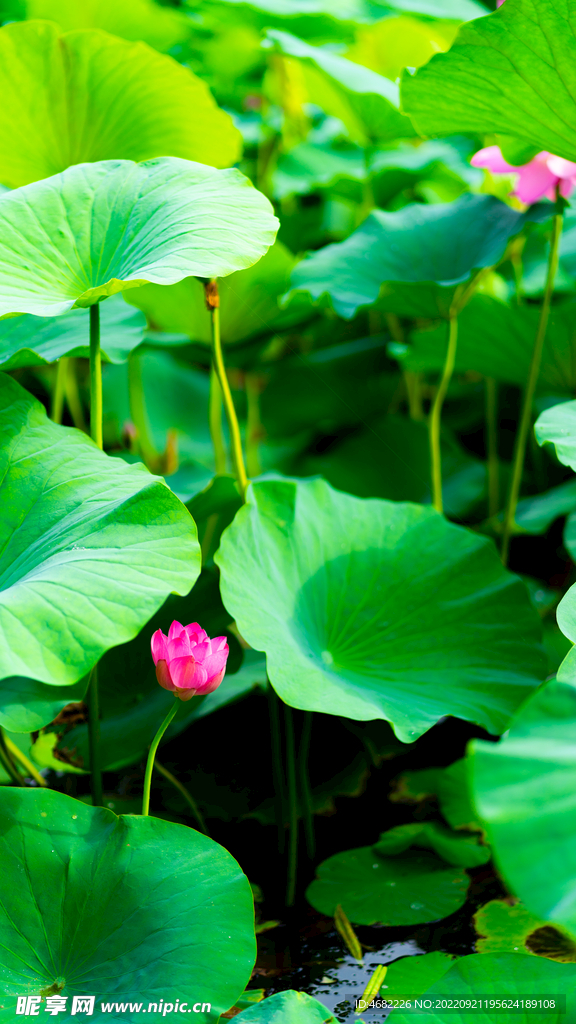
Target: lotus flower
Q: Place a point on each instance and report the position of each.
(187, 661)
(536, 179)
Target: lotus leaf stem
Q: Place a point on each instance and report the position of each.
(215, 421)
(492, 446)
(292, 807)
(213, 303)
(95, 377)
(436, 413)
(186, 794)
(306, 796)
(59, 390)
(94, 738)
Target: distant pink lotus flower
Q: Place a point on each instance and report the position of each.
(187, 661)
(499, 3)
(536, 179)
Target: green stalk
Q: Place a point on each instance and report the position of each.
(492, 446)
(436, 413)
(213, 303)
(186, 794)
(8, 764)
(151, 756)
(292, 807)
(59, 390)
(73, 396)
(139, 414)
(94, 739)
(526, 414)
(17, 755)
(253, 424)
(305, 794)
(95, 377)
(215, 421)
(277, 771)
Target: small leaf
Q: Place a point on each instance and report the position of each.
(287, 1008)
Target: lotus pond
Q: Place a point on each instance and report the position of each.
(288, 510)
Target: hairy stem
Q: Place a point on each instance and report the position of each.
(533, 373)
(436, 414)
(213, 303)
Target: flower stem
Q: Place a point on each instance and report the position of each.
(292, 807)
(213, 303)
(185, 793)
(492, 446)
(94, 739)
(151, 756)
(436, 413)
(215, 421)
(59, 390)
(17, 755)
(305, 794)
(526, 414)
(95, 376)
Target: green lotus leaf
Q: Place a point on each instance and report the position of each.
(512, 72)
(287, 1008)
(248, 302)
(449, 785)
(26, 705)
(360, 10)
(34, 340)
(524, 789)
(453, 847)
(121, 907)
(365, 101)
(441, 243)
(497, 976)
(86, 96)
(91, 547)
(412, 975)
(161, 27)
(496, 340)
(377, 610)
(557, 426)
(510, 928)
(412, 889)
(97, 229)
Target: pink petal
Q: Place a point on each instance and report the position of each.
(158, 646)
(163, 676)
(196, 633)
(560, 167)
(211, 684)
(499, 3)
(201, 651)
(216, 663)
(492, 159)
(187, 674)
(534, 181)
(219, 643)
(567, 186)
(179, 647)
(175, 630)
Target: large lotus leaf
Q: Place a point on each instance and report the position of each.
(512, 72)
(441, 243)
(365, 101)
(248, 302)
(557, 426)
(524, 789)
(118, 907)
(494, 976)
(159, 26)
(33, 340)
(86, 96)
(453, 847)
(377, 610)
(496, 340)
(97, 229)
(90, 547)
(287, 1008)
(412, 889)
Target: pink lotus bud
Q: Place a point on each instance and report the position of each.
(187, 661)
(540, 177)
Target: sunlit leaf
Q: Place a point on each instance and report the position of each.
(161, 27)
(86, 96)
(97, 229)
(90, 547)
(287, 1008)
(159, 894)
(377, 610)
(512, 72)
